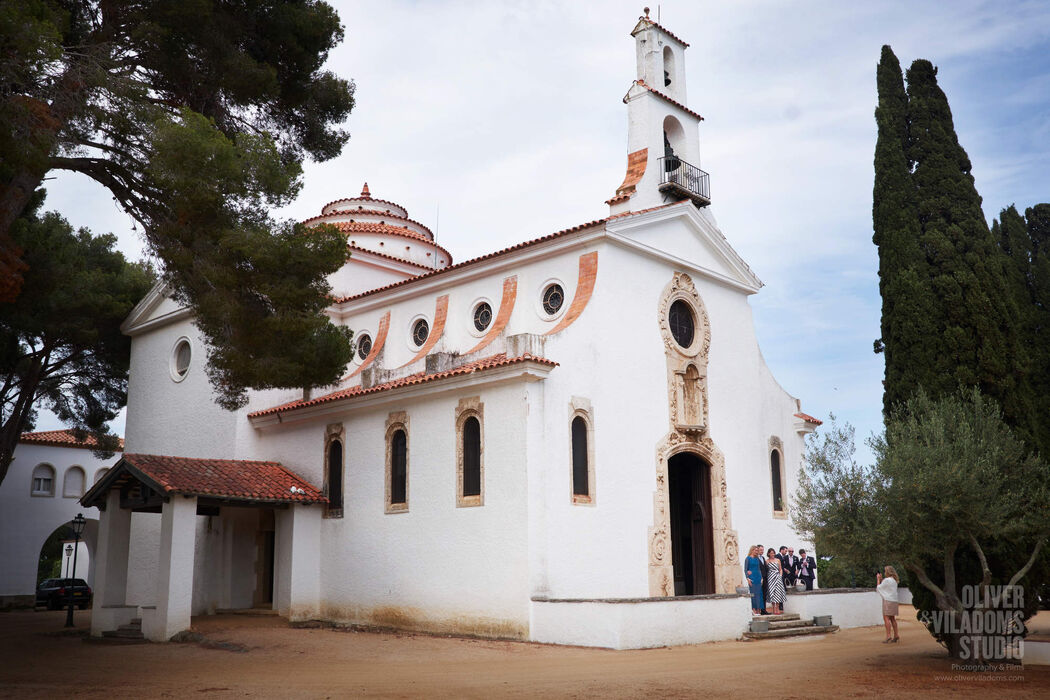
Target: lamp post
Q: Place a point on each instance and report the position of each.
(69, 557)
(78, 528)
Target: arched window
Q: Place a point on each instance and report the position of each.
(334, 478)
(581, 452)
(43, 480)
(776, 476)
(73, 483)
(470, 459)
(397, 463)
(100, 473)
(669, 76)
(399, 475)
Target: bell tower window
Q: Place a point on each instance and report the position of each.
(669, 75)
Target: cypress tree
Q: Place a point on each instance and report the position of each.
(908, 313)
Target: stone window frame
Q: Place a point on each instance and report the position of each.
(334, 432)
(777, 445)
(394, 422)
(65, 481)
(581, 408)
(470, 407)
(33, 477)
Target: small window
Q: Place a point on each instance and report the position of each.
(553, 298)
(364, 346)
(680, 320)
(43, 480)
(399, 468)
(420, 332)
(482, 316)
(73, 483)
(334, 481)
(181, 355)
(580, 482)
(776, 477)
(100, 473)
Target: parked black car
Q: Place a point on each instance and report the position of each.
(54, 593)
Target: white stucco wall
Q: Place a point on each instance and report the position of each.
(847, 607)
(26, 520)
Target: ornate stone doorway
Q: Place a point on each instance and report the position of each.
(692, 531)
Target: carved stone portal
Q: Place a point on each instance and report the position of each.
(688, 432)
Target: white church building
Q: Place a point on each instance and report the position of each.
(502, 458)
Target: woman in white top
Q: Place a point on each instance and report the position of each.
(887, 588)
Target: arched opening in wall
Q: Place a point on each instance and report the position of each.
(581, 483)
(674, 143)
(334, 481)
(100, 473)
(73, 483)
(692, 526)
(776, 477)
(471, 457)
(669, 74)
(59, 563)
(43, 480)
(399, 468)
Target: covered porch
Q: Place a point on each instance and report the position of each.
(227, 534)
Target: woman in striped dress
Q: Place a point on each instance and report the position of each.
(774, 582)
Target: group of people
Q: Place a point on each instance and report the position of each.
(769, 577)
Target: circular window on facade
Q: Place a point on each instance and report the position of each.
(180, 359)
(482, 316)
(680, 320)
(364, 346)
(553, 298)
(420, 332)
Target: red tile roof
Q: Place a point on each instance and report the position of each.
(364, 199)
(809, 419)
(365, 212)
(504, 251)
(665, 30)
(662, 96)
(228, 479)
(390, 230)
(62, 438)
(486, 363)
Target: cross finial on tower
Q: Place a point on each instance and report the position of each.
(365, 192)
(646, 12)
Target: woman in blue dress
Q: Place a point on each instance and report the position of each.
(753, 570)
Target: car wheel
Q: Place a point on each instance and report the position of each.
(52, 604)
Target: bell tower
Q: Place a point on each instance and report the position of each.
(663, 146)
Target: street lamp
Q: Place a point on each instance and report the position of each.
(69, 557)
(78, 528)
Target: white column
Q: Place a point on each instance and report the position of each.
(298, 561)
(111, 566)
(174, 570)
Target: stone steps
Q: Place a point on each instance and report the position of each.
(130, 633)
(788, 625)
(791, 632)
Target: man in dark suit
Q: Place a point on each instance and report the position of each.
(782, 556)
(790, 564)
(806, 569)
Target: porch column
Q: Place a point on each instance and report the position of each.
(178, 531)
(298, 561)
(111, 567)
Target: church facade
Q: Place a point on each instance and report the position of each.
(574, 439)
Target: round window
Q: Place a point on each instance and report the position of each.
(482, 316)
(680, 319)
(180, 359)
(364, 346)
(420, 331)
(553, 298)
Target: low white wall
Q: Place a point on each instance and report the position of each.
(639, 623)
(848, 607)
(1036, 653)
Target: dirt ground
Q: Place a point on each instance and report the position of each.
(263, 657)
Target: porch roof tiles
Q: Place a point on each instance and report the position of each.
(225, 479)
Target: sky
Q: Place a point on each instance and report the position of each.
(496, 122)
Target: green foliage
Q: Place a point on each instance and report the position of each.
(948, 319)
(52, 554)
(196, 115)
(951, 483)
(60, 340)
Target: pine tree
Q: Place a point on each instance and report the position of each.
(908, 314)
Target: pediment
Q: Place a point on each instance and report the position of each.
(683, 233)
(157, 308)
